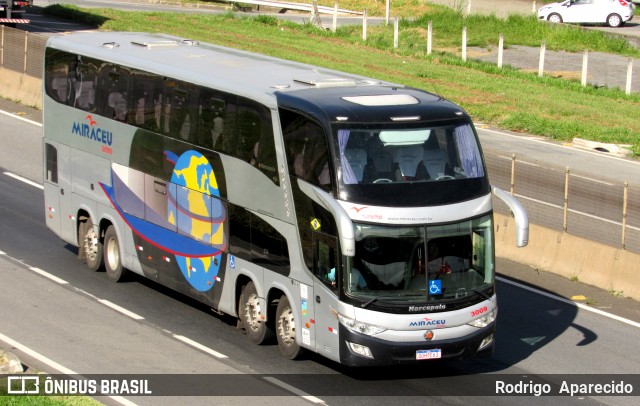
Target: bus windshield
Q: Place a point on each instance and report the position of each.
(433, 263)
(402, 153)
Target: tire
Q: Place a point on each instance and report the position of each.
(112, 259)
(92, 246)
(286, 330)
(249, 312)
(82, 230)
(554, 18)
(614, 20)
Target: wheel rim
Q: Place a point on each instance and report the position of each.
(554, 19)
(252, 312)
(113, 254)
(91, 244)
(614, 21)
(287, 327)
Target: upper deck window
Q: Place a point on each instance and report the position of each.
(306, 146)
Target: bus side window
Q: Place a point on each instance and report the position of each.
(255, 142)
(85, 77)
(179, 110)
(306, 146)
(71, 79)
(57, 74)
(146, 98)
(52, 163)
(113, 101)
(249, 130)
(210, 118)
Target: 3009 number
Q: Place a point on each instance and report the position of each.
(479, 311)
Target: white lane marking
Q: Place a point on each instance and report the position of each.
(293, 389)
(508, 158)
(546, 142)
(121, 309)
(571, 302)
(37, 270)
(52, 364)
(49, 362)
(84, 292)
(519, 161)
(48, 275)
(581, 213)
(592, 180)
(26, 120)
(25, 180)
(199, 346)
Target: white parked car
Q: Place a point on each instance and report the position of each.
(614, 13)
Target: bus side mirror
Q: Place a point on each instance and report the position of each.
(346, 234)
(519, 213)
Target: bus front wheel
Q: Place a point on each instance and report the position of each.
(250, 315)
(286, 330)
(92, 246)
(112, 260)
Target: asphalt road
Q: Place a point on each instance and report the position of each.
(77, 325)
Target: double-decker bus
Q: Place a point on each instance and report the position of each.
(341, 214)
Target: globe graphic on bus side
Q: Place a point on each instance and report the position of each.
(197, 212)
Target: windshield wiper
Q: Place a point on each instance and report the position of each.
(367, 303)
(481, 293)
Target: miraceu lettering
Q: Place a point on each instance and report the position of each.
(92, 132)
(428, 322)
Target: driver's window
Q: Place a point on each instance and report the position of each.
(325, 262)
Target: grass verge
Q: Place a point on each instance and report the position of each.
(506, 98)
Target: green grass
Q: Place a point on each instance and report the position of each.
(48, 401)
(43, 400)
(508, 98)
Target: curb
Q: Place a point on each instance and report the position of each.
(621, 150)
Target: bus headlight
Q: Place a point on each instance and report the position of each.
(360, 349)
(358, 326)
(483, 321)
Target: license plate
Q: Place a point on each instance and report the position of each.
(429, 354)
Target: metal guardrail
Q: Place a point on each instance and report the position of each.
(286, 5)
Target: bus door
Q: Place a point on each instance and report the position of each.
(327, 271)
(57, 191)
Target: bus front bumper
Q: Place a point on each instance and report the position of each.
(383, 352)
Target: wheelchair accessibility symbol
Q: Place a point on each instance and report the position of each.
(435, 287)
(232, 261)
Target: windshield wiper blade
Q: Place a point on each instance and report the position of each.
(368, 302)
(481, 293)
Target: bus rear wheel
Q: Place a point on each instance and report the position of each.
(112, 259)
(250, 315)
(286, 330)
(92, 246)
